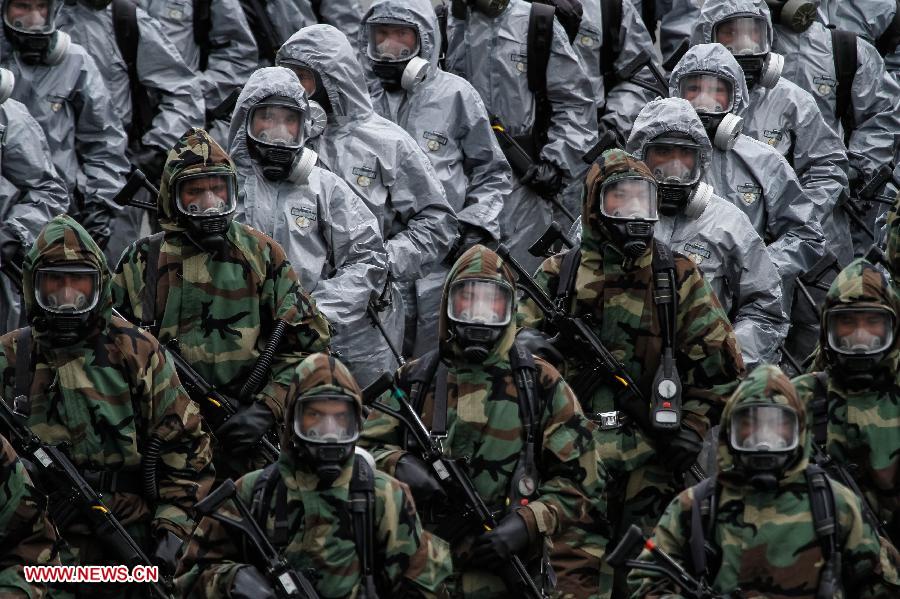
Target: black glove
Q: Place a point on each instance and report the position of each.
(249, 583)
(12, 248)
(426, 490)
(97, 223)
(168, 546)
(493, 549)
(246, 428)
(150, 160)
(469, 236)
(544, 178)
(682, 449)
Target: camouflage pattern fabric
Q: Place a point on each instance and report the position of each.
(323, 548)
(484, 425)
(106, 397)
(27, 539)
(863, 431)
(893, 243)
(766, 539)
(221, 306)
(618, 295)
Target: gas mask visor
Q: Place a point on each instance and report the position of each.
(326, 419)
(744, 35)
(860, 331)
(629, 199)
(67, 288)
(708, 93)
(276, 123)
(480, 302)
(206, 195)
(392, 41)
(30, 16)
(673, 161)
(764, 429)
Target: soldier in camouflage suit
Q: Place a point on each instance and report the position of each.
(221, 304)
(860, 402)
(484, 425)
(617, 292)
(410, 562)
(27, 539)
(763, 539)
(107, 394)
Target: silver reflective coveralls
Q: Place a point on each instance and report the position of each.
(868, 18)
(332, 240)
(721, 240)
(787, 118)
(31, 192)
(289, 16)
(757, 179)
(446, 117)
(491, 53)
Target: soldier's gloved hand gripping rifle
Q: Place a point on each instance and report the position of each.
(450, 473)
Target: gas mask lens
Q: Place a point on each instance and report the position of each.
(392, 42)
(67, 289)
(322, 419)
(29, 16)
(629, 199)
(743, 36)
(860, 331)
(206, 195)
(764, 428)
(707, 93)
(673, 163)
(476, 301)
(276, 125)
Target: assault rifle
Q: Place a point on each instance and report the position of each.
(287, 582)
(59, 474)
(578, 334)
(452, 476)
(625, 555)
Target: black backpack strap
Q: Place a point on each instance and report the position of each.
(568, 275)
(125, 27)
(24, 372)
(609, 49)
(648, 16)
(151, 282)
(439, 417)
(442, 11)
(703, 514)
(539, 45)
(890, 38)
(665, 295)
(202, 27)
(362, 506)
(526, 477)
(843, 45)
(267, 40)
(824, 511)
(262, 493)
(819, 408)
(419, 375)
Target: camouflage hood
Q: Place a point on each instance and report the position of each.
(611, 165)
(665, 116)
(318, 374)
(195, 152)
(263, 83)
(326, 50)
(715, 11)
(766, 385)
(478, 262)
(717, 60)
(64, 240)
(863, 284)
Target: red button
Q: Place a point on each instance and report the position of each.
(667, 404)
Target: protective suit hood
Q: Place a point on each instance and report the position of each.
(418, 13)
(716, 59)
(665, 116)
(327, 51)
(318, 374)
(195, 152)
(766, 385)
(478, 262)
(64, 240)
(263, 83)
(714, 11)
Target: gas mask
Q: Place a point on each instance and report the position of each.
(747, 38)
(318, 120)
(796, 15)
(7, 84)
(394, 51)
(66, 295)
(325, 430)
(479, 311)
(858, 340)
(764, 440)
(275, 140)
(30, 26)
(712, 96)
(205, 203)
(675, 161)
(489, 8)
(628, 212)
(311, 82)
